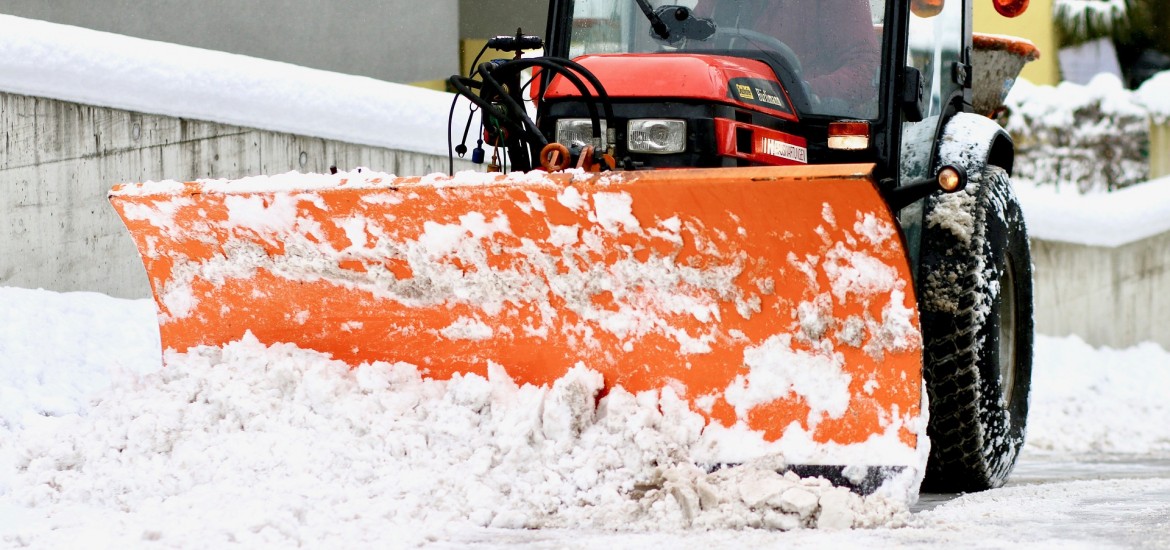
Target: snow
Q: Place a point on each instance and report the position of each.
(1054, 105)
(1109, 408)
(1054, 209)
(1093, 18)
(1154, 94)
(98, 68)
(276, 446)
(1097, 219)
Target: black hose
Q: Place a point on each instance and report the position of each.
(451, 120)
(512, 114)
(450, 152)
(558, 65)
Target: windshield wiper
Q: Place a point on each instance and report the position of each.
(656, 23)
(674, 23)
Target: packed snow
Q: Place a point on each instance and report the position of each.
(277, 446)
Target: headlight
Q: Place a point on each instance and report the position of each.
(660, 136)
(576, 131)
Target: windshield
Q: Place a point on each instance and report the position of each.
(830, 48)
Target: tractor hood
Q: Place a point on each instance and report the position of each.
(737, 81)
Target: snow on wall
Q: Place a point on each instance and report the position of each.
(84, 110)
(1154, 94)
(98, 68)
(1099, 219)
(1093, 138)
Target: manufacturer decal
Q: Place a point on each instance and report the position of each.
(760, 92)
(780, 149)
(744, 92)
(779, 145)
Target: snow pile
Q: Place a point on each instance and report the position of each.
(1117, 406)
(279, 446)
(55, 349)
(284, 446)
(1064, 133)
(75, 64)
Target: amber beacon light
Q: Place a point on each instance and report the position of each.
(1010, 8)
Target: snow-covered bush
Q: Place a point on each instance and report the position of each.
(1079, 21)
(1094, 137)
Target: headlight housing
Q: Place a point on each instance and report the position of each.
(660, 136)
(656, 136)
(577, 131)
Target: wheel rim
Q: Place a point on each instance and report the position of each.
(1007, 334)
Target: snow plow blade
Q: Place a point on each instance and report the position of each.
(777, 302)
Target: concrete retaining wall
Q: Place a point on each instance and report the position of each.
(58, 232)
(59, 159)
(1110, 296)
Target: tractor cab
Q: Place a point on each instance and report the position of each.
(718, 83)
(825, 54)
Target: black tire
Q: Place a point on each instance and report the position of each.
(976, 311)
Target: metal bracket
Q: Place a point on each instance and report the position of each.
(961, 73)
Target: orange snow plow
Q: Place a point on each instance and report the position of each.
(772, 216)
(773, 298)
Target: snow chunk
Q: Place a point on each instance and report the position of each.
(777, 370)
(614, 210)
(466, 328)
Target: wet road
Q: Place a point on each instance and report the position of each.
(1038, 469)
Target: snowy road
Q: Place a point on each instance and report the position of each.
(1052, 501)
(275, 448)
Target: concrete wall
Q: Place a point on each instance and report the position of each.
(59, 159)
(1113, 297)
(57, 231)
(391, 40)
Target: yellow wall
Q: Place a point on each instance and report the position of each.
(1159, 149)
(1036, 25)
